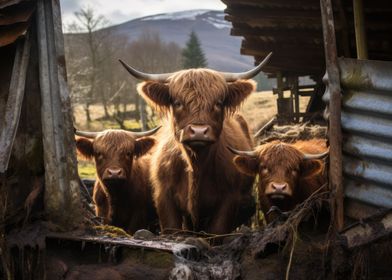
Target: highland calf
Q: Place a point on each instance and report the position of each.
(122, 192)
(288, 173)
(196, 186)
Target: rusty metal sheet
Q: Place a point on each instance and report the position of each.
(368, 148)
(368, 193)
(367, 128)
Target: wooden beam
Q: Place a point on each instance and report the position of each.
(305, 49)
(335, 133)
(278, 34)
(277, 22)
(360, 33)
(368, 231)
(295, 15)
(14, 101)
(309, 4)
(62, 197)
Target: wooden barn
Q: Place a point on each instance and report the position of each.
(344, 47)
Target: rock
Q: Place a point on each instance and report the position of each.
(144, 234)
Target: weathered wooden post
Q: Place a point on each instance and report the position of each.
(62, 198)
(360, 33)
(335, 133)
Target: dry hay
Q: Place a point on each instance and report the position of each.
(291, 133)
(279, 231)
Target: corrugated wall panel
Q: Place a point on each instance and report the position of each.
(367, 133)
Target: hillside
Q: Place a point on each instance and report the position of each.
(221, 49)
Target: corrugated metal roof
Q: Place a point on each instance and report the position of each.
(14, 20)
(292, 29)
(367, 126)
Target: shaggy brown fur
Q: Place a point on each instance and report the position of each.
(199, 188)
(124, 202)
(281, 163)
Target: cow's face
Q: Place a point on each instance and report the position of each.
(197, 101)
(113, 152)
(280, 167)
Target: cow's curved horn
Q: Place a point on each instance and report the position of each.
(232, 77)
(86, 134)
(243, 153)
(145, 133)
(146, 76)
(316, 156)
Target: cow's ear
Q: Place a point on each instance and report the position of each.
(238, 91)
(143, 145)
(246, 165)
(311, 167)
(85, 147)
(155, 93)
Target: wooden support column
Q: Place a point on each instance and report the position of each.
(360, 33)
(295, 96)
(335, 134)
(14, 101)
(62, 197)
(285, 105)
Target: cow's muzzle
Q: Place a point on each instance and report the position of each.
(114, 175)
(197, 135)
(278, 191)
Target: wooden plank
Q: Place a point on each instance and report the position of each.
(61, 181)
(294, 15)
(14, 101)
(278, 34)
(335, 133)
(309, 4)
(368, 230)
(278, 21)
(267, 126)
(304, 49)
(161, 245)
(360, 33)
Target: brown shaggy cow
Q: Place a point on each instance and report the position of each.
(288, 173)
(122, 192)
(196, 186)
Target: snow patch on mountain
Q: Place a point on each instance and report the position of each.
(218, 23)
(190, 15)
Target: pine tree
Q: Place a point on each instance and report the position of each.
(193, 55)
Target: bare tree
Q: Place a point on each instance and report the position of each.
(150, 54)
(86, 68)
(95, 74)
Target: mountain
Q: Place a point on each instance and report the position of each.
(221, 49)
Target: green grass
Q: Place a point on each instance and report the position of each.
(86, 169)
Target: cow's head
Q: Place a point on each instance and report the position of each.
(280, 167)
(113, 151)
(196, 100)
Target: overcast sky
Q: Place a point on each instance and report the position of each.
(118, 11)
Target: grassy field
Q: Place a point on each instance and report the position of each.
(259, 108)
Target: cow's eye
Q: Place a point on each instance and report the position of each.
(219, 105)
(177, 104)
(264, 170)
(99, 155)
(294, 172)
(129, 154)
